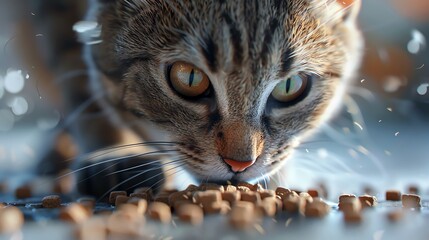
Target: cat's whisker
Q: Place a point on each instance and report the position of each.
(109, 150)
(145, 164)
(116, 159)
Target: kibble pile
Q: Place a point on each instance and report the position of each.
(243, 205)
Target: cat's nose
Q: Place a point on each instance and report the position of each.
(238, 166)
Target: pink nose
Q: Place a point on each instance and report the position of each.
(238, 166)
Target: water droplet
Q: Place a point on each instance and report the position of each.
(33, 14)
(307, 150)
(417, 42)
(423, 89)
(421, 67)
(27, 76)
(84, 26)
(396, 134)
(39, 35)
(363, 80)
(389, 109)
(14, 81)
(19, 106)
(380, 121)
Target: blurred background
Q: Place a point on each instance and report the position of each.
(379, 138)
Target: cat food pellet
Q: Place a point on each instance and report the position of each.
(160, 212)
(125, 221)
(242, 215)
(268, 207)
(88, 202)
(211, 186)
(131, 211)
(11, 219)
(141, 205)
(313, 193)
(179, 196)
(393, 195)
(190, 213)
(114, 194)
(344, 197)
(92, 229)
(306, 197)
(191, 188)
(257, 187)
(75, 213)
(368, 201)
(121, 199)
(395, 216)
(317, 208)
(349, 205)
(251, 187)
(267, 194)
(230, 188)
(163, 198)
(207, 196)
(140, 195)
(413, 189)
(293, 204)
(23, 192)
(411, 201)
(179, 203)
(243, 189)
(252, 197)
(231, 197)
(53, 201)
(221, 207)
(146, 191)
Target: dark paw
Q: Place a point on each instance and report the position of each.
(122, 175)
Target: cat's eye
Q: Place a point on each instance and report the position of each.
(291, 88)
(188, 80)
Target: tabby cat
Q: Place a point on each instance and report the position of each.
(231, 84)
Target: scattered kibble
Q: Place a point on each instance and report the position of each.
(115, 194)
(393, 195)
(242, 215)
(53, 201)
(368, 201)
(159, 211)
(23, 192)
(75, 213)
(11, 219)
(411, 201)
(121, 199)
(190, 213)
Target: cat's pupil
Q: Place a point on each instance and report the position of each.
(191, 78)
(288, 83)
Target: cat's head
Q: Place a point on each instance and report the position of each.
(233, 82)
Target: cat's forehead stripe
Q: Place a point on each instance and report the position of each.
(235, 38)
(210, 49)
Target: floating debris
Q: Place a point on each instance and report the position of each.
(358, 125)
(423, 89)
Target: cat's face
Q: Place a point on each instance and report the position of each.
(229, 80)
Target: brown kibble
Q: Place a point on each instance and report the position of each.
(313, 193)
(349, 205)
(92, 229)
(230, 188)
(267, 193)
(395, 216)
(53, 201)
(252, 197)
(283, 191)
(242, 215)
(146, 191)
(121, 199)
(353, 217)
(160, 212)
(11, 219)
(243, 189)
(75, 213)
(190, 213)
(87, 201)
(207, 197)
(411, 201)
(345, 197)
(412, 189)
(393, 195)
(268, 206)
(368, 201)
(306, 197)
(141, 205)
(114, 194)
(251, 187)
(211, 186)
(293, 204)
(141, 196)
(317, 208)
(191, 188)
(179, 196)
(179, 203)
(231, 197)
(257, 187)
(23, 192)
(221, 207)
(126, 221)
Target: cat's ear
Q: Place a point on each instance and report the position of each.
(351, 9)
